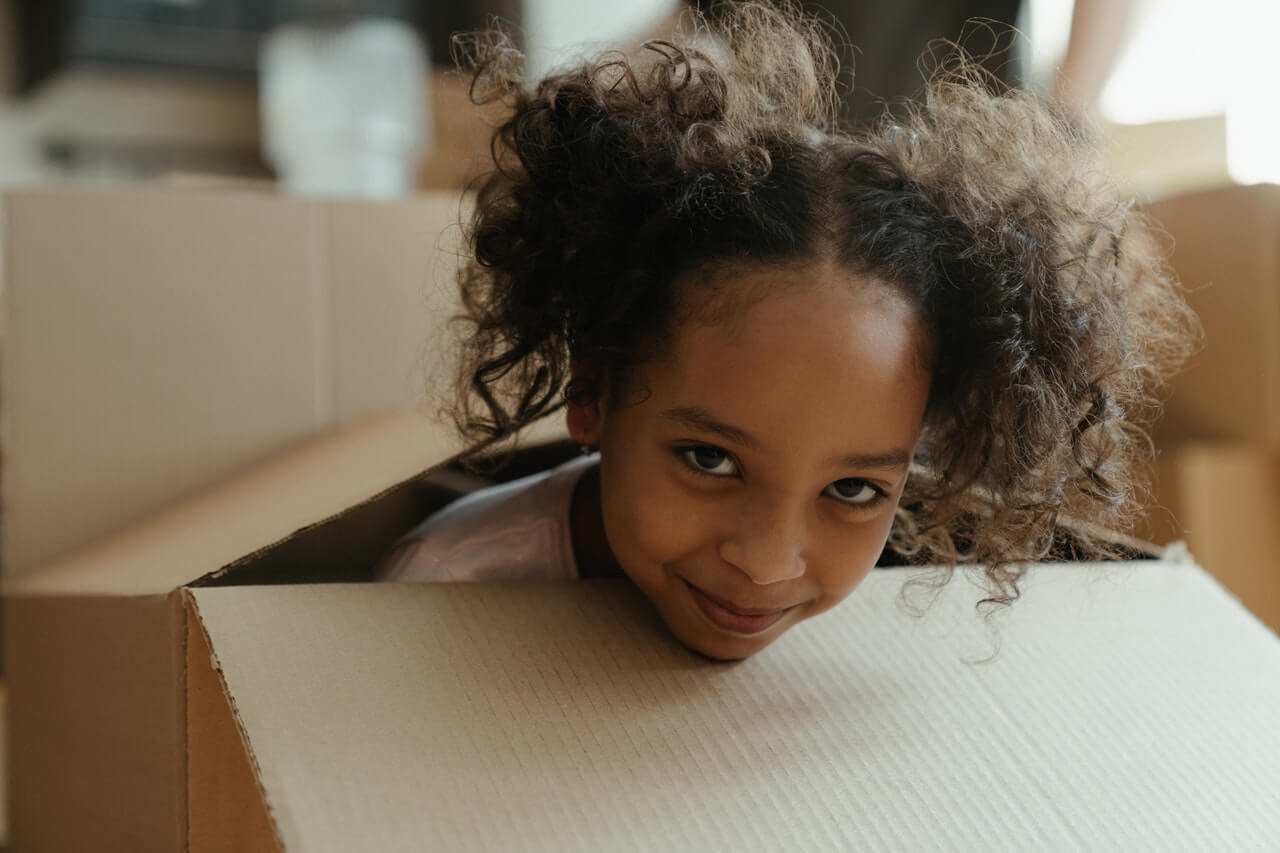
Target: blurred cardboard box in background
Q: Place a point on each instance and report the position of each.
(1223, 499)
(1227, 254)
(1217, 482)
(460, 150)
(156, 341)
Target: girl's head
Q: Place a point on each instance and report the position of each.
(755, 464)
(791, 343)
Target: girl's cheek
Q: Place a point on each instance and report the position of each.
(663, 521)
(849, 556)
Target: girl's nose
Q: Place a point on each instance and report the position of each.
(767, 544)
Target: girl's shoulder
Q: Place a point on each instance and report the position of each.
(512, 531)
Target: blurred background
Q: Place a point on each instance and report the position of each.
(126, 90)
(109, 101)
(121, 90)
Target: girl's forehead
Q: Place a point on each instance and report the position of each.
(745, 306)
(813, 359)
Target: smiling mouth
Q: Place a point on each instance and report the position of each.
(726, 616)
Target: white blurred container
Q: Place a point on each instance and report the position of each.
(344, 108)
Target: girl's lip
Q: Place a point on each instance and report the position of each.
(730, 617)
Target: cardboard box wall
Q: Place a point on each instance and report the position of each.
(1218, 480)
(1223, 500)
(1227, 253)
(155, 341)
(160, 701)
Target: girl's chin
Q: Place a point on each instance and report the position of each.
(722, 648)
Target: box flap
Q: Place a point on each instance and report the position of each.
(1131, 705)
(316, 480)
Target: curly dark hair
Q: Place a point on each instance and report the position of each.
(1054, 320)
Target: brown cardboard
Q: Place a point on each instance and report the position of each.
(79, 633)
(312, 481)
(1223, 499)
(103, 630)
(1130, 705)
(225, 805)
(461, 133)
(561, 716)
(95, 723)
(1227, 253)
(156, 341)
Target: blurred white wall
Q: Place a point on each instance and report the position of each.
(1201, 74)
(558, 30)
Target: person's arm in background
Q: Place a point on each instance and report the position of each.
(1098, 30)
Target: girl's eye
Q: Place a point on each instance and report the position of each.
(706, 459)
(853, 492)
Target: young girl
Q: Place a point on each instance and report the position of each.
(791, 345)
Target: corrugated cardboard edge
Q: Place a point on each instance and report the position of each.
(227, 807)
(96, 753)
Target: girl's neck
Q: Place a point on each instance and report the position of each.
(586, 524)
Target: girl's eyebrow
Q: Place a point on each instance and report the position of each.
(698, 418)
(890, 460)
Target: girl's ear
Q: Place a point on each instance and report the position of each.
(585, 421)
(584, 414)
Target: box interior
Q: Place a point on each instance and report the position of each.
(347, 547)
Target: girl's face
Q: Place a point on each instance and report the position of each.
(750, 480)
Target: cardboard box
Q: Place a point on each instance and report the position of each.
(216, 679)
(1156, 159)
(1227, 253)
(1223, 499)
(156, 341)
(461, 134)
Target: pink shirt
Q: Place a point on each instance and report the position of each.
(516, 531)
